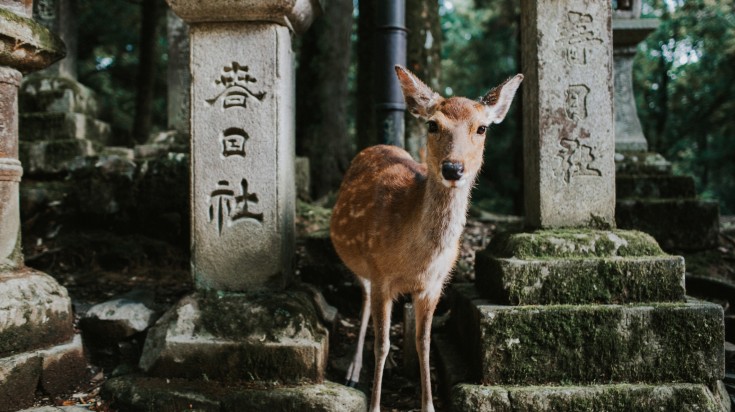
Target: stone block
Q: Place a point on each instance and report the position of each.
(35, 312)
(63, 366)
(656, 186)
(56, 95)
(569, 142)
(231, 336)
(119, 318)
(25, 44)
(641, 163)
(588, 344)
(303, 179)
(578, 281)
(63, 126)
(19, 377)
(618, 398)
(53, 156)
(137, 394)
(677, 224)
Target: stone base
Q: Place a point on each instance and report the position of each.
(587, 344)
(52, 156)
(677, 224)
(136, 394)
(54, 370)
(222, 336)
(576, 267)
(611, 398)
(63, 126)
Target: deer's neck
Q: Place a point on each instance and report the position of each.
(445, 212)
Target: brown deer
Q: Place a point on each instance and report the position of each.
(397, 223)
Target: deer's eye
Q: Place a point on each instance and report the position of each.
(433, 127)
(481, 129)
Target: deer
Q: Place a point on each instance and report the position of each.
(396, 223)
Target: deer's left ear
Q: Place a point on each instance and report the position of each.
(497, 101)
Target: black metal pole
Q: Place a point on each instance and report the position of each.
(390, 50)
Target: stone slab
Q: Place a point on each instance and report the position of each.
(677, 224)
(656, 186)
(243, 191)
(511, 281)
(63, 126)
(586, 344)
(35, 312)
(232, 336)
(569, 141)
(610, 398)
(56, 95)
(138, 394)
(63, 366)
(53, 156)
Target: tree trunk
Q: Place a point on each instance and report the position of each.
(146, 70)
(365, 120)
(322, 97)
(423, 58)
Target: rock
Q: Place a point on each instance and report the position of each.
(56, 95)
(120, 318)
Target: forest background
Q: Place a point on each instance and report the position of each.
(683, 82)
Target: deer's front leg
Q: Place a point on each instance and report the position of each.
(424, 306)
(382, 305)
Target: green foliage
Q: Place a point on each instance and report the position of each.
(108, 62)
(480, 50)
(685, 94)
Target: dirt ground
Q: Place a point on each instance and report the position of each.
(94, 270)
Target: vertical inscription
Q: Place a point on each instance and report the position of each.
(233, 142)
(576, 101)
(236, 80)
(576, 158)
(579, 36)
(227, 208)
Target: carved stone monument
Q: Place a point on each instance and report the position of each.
(649, 196)
(242, 323)
(38, 347)
(578, 303)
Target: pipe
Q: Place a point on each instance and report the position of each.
(390, 49)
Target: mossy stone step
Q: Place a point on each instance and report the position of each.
(579, 281)
(63, 126)
(586, 344)
(609, 398)
(577, 266)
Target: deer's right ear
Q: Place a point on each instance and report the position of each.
(420, 99)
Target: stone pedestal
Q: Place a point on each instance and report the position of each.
(577, 315)
(242, 328)
(38, 348)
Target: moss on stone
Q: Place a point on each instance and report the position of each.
(16, 31)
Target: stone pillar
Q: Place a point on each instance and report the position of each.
(570, 304)
(241, 323)
(178, 74)
(568, 114)
(59, 16)
(37, 343)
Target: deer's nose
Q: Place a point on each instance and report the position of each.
(452, 170)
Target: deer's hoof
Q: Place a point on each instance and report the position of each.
(351, 383)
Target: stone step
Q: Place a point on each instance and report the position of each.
(237, 336)
(52, 156)
(35, 312)
(609, 398)
(677, 224)
(512, 281)
(139, 394)
(656, 186)
(585, 344)
(63, 126)
(53, 94)
(576, 266)
(645, 163)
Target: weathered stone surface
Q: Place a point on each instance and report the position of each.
(19, 377)
(303, 178)
(656, 186)
(568, 113)
(53, 156)
(35, 312)
(120, 318)
(63, 366)
(25, 44)
(19, 7)
(578, 281)
(641, 163)
(63, 126)
(177, 73)
(585, 344)
(10, 244)
(135, 394)
(295, 14)
(59, 16)
(226, 336)
(617, 398)
(677, 224)
(56, 95)
(243, 154)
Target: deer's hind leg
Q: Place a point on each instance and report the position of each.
(382, 304)
(353, 373)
